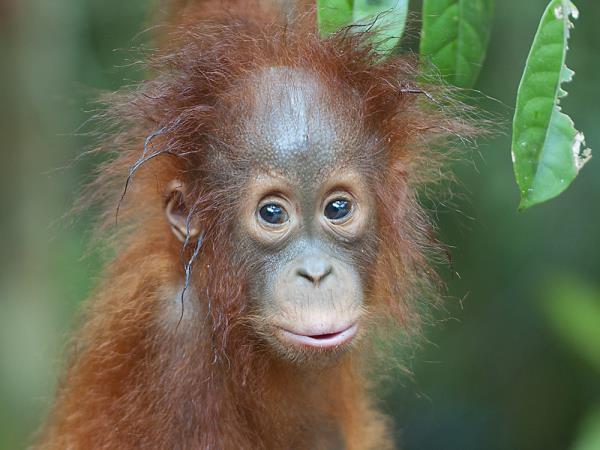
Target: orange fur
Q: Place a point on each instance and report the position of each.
(141, 378)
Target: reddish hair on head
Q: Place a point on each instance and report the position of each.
(253, 334)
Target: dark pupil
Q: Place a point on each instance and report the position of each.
(337, 209)
(273, 213)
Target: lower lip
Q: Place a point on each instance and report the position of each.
(321, 341)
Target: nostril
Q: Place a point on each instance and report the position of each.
(314, 274)
(306, 276)
(327, 271)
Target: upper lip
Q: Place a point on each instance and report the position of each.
(323, 338)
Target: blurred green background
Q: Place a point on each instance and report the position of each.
(514, 362)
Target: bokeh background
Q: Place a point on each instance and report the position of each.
(513, 361)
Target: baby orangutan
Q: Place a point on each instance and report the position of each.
(270, 227)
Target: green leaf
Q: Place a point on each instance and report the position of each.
(455, 37)
(333, 15)
(547, 150)
(388, 18)
(573, 310)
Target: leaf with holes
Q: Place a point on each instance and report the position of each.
(387, 17)
(455, 37)
(333, 15)
(547, 150)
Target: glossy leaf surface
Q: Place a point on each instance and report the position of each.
(455, 37)
(547, 150)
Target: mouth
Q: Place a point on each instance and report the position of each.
(322, 340)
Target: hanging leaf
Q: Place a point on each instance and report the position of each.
(333, 15)
(388, 18)
(455, 37)
(547, 150)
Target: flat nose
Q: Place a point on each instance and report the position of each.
(314, 269)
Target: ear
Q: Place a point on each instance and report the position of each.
(178, 213)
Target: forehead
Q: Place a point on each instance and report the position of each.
(295, 127)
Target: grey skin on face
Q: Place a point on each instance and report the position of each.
(306, 214)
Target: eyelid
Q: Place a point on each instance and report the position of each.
(339, 191)
(274, 197)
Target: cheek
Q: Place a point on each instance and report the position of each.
(263, 271)
(362, 255)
